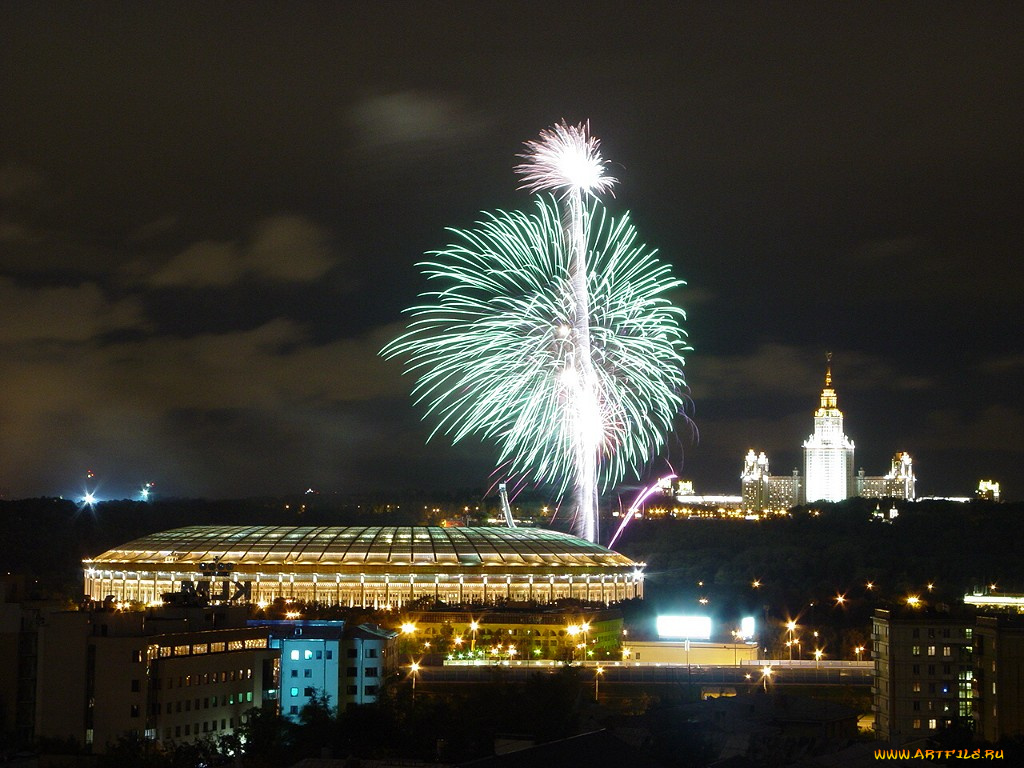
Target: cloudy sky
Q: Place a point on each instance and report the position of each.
(210, 216)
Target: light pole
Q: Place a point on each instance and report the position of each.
(572, 630)
(473, 627)
(414, 670)
(859, 650)
(408, 633)
(597, 678)
(817, 658)
(791, 628)
(766, 674)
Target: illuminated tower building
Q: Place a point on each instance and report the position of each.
(828, 453)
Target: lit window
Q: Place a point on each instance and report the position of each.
(307, 654)
(916, 725)
(294, 691)
(295, 655)
(933, 724)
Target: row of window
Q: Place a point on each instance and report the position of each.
(205, 703)
(947, 669)
(207, 727)
(307, 654)
(932, 632)
(947, 650)
(350, 690)
(207, 678)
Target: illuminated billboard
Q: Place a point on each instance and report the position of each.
(684, 627)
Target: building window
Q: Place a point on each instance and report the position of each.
(916, 706)
(295, 673)
(916, 687)
(307, 654)
(916, 669)
(931, 650)
(371, 653)
(931, 669)
(947, 650)
(293, 710)
(330, 655)
(294, 655)
(933, 724)
(372, 672)
(319, 655)
(916, 725)
(370, 690)
(137, 656)
(915, 651)
(307, 673)
(308, 691)
(294, 691)
(135, 710)
(351, 690)
(135, 686)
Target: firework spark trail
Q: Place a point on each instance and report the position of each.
(566, 158)
(551, 333)
(640, 499)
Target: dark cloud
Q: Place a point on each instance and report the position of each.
(211, 221)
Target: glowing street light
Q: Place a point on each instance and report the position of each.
(414, 670)
(473, 627)
(913, 601)
(817, 657)
(859, 650)
(766, 675)
(597, 677)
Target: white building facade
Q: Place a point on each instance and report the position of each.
(828, 453)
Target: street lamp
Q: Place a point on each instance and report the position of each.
(572, 630)
(766, 674)
(473, 627)
(597, 677)
(817, 658)
(859, 650)
(414, 670)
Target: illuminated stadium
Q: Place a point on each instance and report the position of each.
(376, 566)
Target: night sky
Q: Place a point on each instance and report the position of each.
(210, 216)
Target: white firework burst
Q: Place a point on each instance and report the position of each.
(565, 157)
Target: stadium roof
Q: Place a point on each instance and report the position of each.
(262, 546)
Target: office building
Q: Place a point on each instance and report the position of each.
(168, 674)
(524, 635)
(923, 672)
(999, 677)
(347, 664)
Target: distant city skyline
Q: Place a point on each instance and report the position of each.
(210, 224)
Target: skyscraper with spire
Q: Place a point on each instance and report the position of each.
(828, 453)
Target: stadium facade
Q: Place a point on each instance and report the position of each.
(376, 566)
